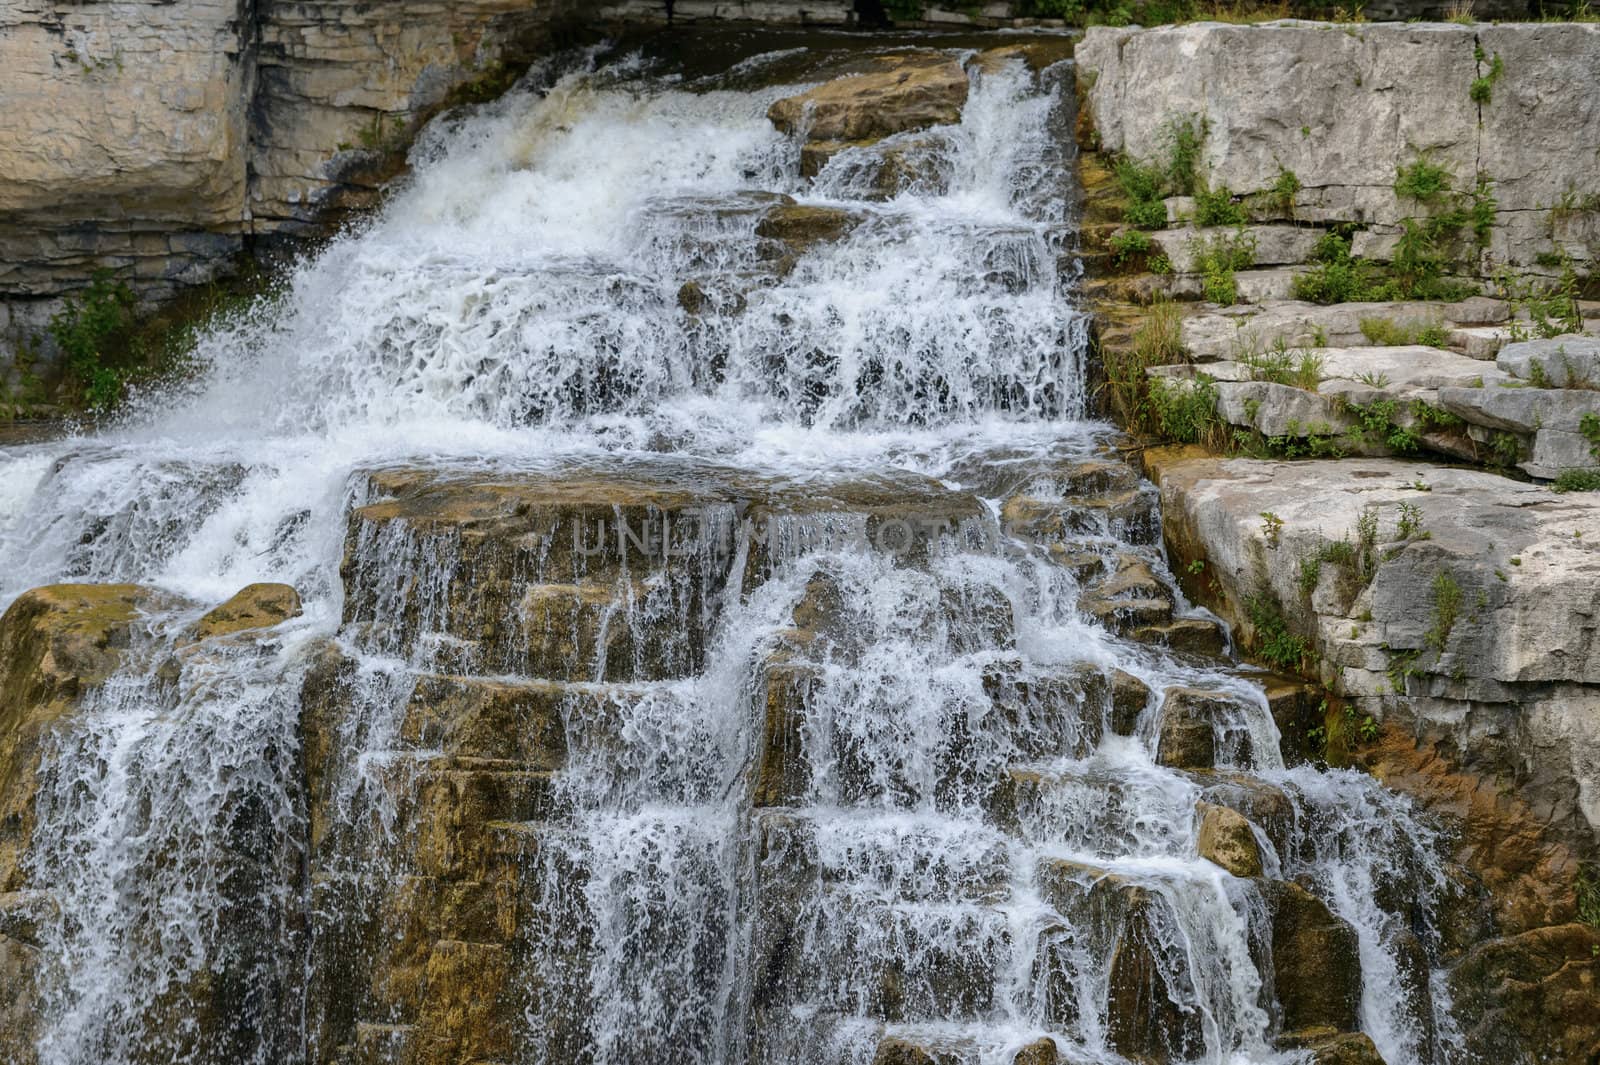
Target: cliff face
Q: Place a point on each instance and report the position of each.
(152, 138)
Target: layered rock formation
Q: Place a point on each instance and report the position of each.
(1343, 107)
(152, 139)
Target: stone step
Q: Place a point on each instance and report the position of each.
(956, 761)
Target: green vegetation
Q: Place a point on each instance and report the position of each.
(1550, 307)
(1217, 259)
(1217, 208)
(1446, 609)
(107, 346)
(1577, 481)
(1587, 889)
(1146, 185)
(1589, 429)
(86, 329)
(1482, 88)
(1183, 411)
(1282, 365)
(1271, 529)
(1285, 189)
(1410, 523)
(1276, 644)
(1386, 332)
(1128, 245)
(1423, 181)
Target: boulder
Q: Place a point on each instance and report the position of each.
(1226, 839)
(906, 91)
(1039, 1052)
(1559, 362)
(1149, 1010)
(1316, 961)
(1129, 697)
(799, 226)
(1199, 728)
(257, 606)
(1536, 989)
(1348, 1048)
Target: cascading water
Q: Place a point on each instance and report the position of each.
(774, 593)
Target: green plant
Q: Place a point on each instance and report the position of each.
(1423, 181)
(1184, 137)
(1446, 609)
(1275, 643)
(1271, 528)
(1186, 414)
(1127, 245)
(1587, 890)
(1373, 380)
(1551, 308)
(1285, 189)
(1196, 567)
(1410, 523)
(1482, 88)
(84, 329)
(1483, 210)
(1577, 480)
(1217, 259)
(1589, 429)
(1218, 208)
(1159, 264)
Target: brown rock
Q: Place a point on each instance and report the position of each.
(896, 1051)
(902, 92)
(801, 226)
(1316, 961)
(1329, 1048)
(1039, 1052)
(1536, 989)
(1129, 697)
(55, 642)
(784, 773)
(1144, 1015)
(1226, 839)
(1192, 636)
(257, 606)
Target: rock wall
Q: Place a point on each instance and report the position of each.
(1464, 629)
(153, 139)
(1344, 106)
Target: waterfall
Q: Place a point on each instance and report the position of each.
(701, 658)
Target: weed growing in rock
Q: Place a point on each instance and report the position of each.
(1410, 523)
(1577, 481)
(1446, 609)
(1423, 181)
(1219, 208)
(1483, 210)
(1542, 309)
(1482, 88)
(1285, 189)
(1217, 259)
(1271, 528)
(1589, 429)
(1276, 644)
(1128, 245)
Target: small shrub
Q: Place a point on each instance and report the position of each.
(1218, 208)
(1217, 259)
(1446, 608)
(1276, 644)
(1577, 481)
(84, 329)
(1146, 214)
(1128, 245)
(1422, 181)
(1589, 429)
(1285, 189)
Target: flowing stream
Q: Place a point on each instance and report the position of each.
(837, 769)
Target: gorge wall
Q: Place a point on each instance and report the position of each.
(152, 139)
